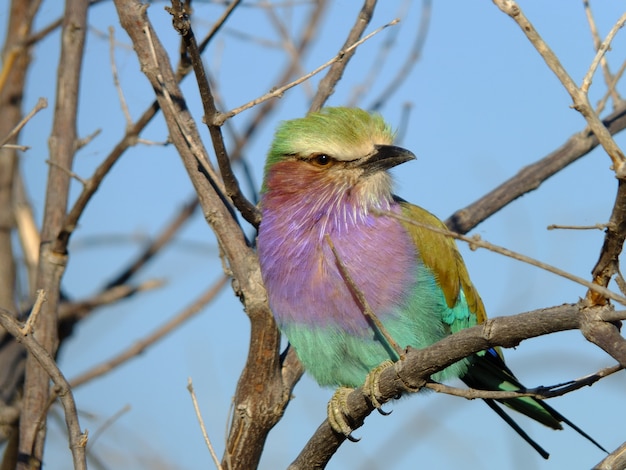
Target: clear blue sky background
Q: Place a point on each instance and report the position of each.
(484, 105)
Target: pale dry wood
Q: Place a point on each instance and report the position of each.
(328, 83)
(77, 439)
(260, 397)
(42, 103)
(205, 434)
(578, 94)
(53, 259)
(413, 372)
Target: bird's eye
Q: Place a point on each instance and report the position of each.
(322, 159)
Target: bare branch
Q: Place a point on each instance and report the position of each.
(364, 306)
(477, 242)
(77, 438)
(541, 392)
(233, 191)
(34, 313)
(207, 441)
(414, 371)
(579, 95)
(611, 91)
(609, 79)
(327, 85)
(413, 57)
(141, 345)
(42, 103)
(53, 255)
(531, 177)
(71, 312)
(116, 78)
(602, 50)
(277, 92)
(576, 227)
(259, 400)
(616, 459)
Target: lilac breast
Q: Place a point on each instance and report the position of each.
(301, 274)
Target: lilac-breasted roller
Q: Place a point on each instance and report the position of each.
(327, 176)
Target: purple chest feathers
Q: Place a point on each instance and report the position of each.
(301, 273)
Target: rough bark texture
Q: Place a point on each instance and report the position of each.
(53, 258)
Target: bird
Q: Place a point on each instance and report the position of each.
(327, 203)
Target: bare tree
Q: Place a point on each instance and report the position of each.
(39, 317)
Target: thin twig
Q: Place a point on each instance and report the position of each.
(41, 104)
(77, 438)
(40, 298)
(611, 91)
(116, 79)
(540, 393)
(21, 148)
(141, 345)
(578, 95)
(413, 57)
(475, 242)
(277, 92)
(364, 306)
(83, 141)
(104, 426)
(207, 441)
(76, 310)
(600, 54)
(66, 170)
(182, 24)
(608, 77)
(327, 84)
(576, 227)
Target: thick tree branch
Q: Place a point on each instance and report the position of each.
(52, 259)
(259, 400)
(16, 59)
(413, 372)
(615, 234)
(531, 177)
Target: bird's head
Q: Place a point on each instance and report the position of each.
(335, 150)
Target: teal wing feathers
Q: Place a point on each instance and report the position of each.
(487, 370)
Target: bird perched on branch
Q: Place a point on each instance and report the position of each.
(332, 231)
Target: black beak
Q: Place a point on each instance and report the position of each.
(386, 157)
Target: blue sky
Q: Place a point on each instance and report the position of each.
(484, 105)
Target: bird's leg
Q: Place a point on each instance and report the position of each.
(337, 415)
(371, 387)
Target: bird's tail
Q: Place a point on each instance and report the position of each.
(487, 371)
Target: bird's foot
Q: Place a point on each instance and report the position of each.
(337, 413)
(371, 387)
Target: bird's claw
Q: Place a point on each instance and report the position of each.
(337, 413)
(371, 387)
(338, 404)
